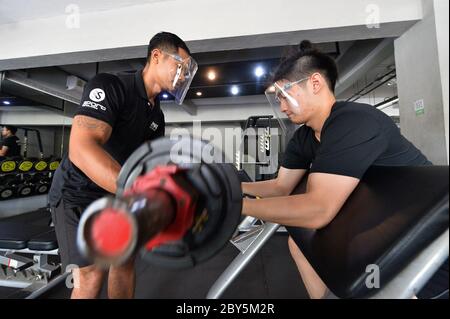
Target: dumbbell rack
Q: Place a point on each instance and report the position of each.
(17, 184)
(28, 177)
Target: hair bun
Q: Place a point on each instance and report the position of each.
(305, 46)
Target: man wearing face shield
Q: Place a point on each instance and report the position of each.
(337, 143)
(116, 115)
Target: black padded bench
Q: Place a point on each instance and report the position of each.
(18, 236)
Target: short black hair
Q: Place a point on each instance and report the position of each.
(305, 61)
(11, 128)
(166, 41)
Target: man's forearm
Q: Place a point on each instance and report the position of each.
(263, 189)
(97, 164)
(3, 151)
(295, 210)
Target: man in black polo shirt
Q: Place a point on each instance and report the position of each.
(9, 145)
(116, 115)
(338, 142)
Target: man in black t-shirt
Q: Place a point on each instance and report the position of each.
(9, 145)
(116, 115)
(337, 143)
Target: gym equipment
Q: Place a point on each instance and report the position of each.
(53, 163)
(175, 198)
(395, 221)
(259, 148)
(24, 184)
(266, 148)
(24, 189)
(39, 165)
(39, 182)
(25, 141)
(7, 165)
(6, 192)
(42, 186)
(27, 245)
(24, 165)
(8, 187)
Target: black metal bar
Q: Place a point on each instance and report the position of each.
(156, 211)
(41, 149)
(152, 212)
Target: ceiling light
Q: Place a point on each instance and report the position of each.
(199, 93)
(211, 75)
(234, 90)
(392, 82)
(259, 71)
(6, 102)
(165, 96)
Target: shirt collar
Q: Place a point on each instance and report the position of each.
(140, 87)
(140, 84)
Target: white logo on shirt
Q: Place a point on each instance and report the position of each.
(93, 105)
(154, 126)
(97, 95)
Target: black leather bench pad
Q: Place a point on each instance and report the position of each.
(16, 236)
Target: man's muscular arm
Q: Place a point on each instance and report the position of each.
(86, 151)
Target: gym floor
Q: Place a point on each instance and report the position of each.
(271, 274)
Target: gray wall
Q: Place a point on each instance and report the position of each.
(419, 78)
(441, 12)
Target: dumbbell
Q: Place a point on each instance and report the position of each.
(176, 209)
(25, 189)
(41, 182)
(53, 163)
(24, 165)
(6, 192)
(41, 188)
(8, 187)
(25, 185)
(39, 165)
(7, 165)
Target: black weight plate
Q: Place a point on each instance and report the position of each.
(218, 183)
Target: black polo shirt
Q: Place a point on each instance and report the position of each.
(122, 102)
(12, 142)
(354, 137)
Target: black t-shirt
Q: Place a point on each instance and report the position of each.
(12, 142)
(122, 102)
(354, 137)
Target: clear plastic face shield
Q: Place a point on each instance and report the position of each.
(182, 76)
(284, 105)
